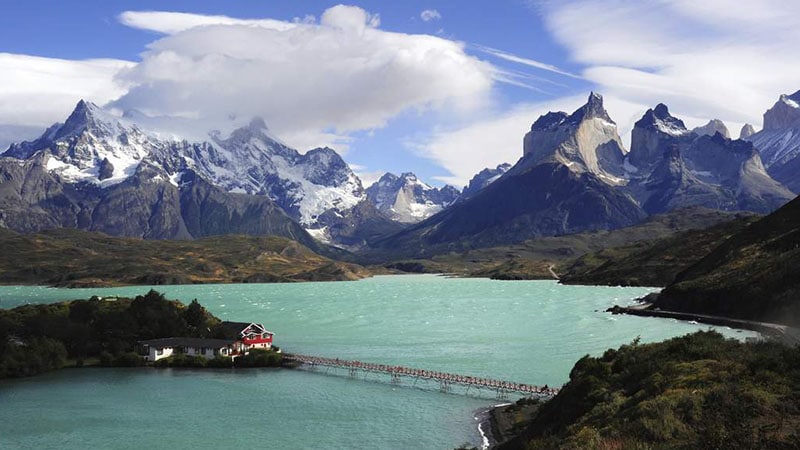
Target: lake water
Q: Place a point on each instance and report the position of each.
(524, 331)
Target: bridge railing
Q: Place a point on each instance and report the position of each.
(398, 371)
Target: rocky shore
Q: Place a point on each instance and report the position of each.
(504, 422)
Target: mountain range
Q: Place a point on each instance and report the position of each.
(125, 176)
(101, 172)
(575, 175)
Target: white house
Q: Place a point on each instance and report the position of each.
(242, 336)
(155, 349)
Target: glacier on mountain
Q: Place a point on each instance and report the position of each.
(247, 159)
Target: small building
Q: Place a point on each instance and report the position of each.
(239, 338)
(252, 335)
(155, 349)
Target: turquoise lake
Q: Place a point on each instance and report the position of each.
(523, 331)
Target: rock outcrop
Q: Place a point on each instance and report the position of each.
(713, 127)
(747, 131)
(584, 141)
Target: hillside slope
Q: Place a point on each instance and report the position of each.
(652, 262)
(78, 258)
(753, 275)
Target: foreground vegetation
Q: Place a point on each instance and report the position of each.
(39, 338)
(699, 391)
(75, 258)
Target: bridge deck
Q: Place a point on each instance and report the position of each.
(442, 377)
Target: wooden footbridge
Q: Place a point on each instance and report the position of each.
(446, 381)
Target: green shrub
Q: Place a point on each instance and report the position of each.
(32, 357)
(128, 359)
(181, 360)
(259, 358)
(220, 362)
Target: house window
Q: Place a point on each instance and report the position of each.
(159, 351)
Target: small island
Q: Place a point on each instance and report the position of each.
(127, 332)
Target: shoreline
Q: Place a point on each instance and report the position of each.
(779, 332)
(487, 428)
(501, 423)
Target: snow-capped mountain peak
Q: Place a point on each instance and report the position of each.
(661, 120)
(408, 199)
(88, 117)
(93, 145)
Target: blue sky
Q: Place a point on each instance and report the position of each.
(442, 97)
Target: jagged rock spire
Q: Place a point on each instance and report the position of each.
(747, 131)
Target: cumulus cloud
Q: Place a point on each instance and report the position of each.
(706, 59)
(36, 91)
(429, 15)
(308, 81)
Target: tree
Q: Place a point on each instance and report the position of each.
(195, 315)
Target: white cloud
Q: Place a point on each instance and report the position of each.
(174, 22)
(715, 58)
(368, 177)
(522, 60)
(36, 91)
(308, 81)
(429, 15)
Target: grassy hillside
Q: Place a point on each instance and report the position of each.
(650, 263)
(79, 258)
(753, 275)
(698, 391)
(532, 259)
